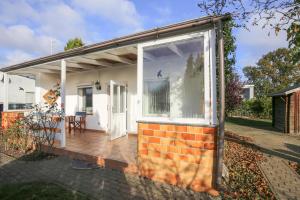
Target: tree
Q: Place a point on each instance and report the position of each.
(233, 84)
(233, 94)
(277, 14)
(74, 43)
(293, 36)
(274, 71)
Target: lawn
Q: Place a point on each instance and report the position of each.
(264, 124)
(38, 191)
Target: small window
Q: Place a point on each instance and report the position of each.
(86, 100)
(156, 97)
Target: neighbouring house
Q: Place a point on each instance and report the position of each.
(248, 92)
(286, 110)
(150, 100)
(20, 93)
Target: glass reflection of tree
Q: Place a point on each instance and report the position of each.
(193, 84)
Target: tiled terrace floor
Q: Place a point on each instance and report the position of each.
(98, 146)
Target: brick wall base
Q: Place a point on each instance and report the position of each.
(178, 155)
(9, 118)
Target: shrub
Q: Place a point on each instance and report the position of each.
(256, 108)
(16, 138)
(42, 124)
(36, 129)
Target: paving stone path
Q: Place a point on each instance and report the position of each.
(284, 182)
(97, 183)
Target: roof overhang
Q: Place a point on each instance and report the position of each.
(285, 93)
(121, 41)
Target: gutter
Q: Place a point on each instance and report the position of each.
(121, 41)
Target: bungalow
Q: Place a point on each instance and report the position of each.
(152, 95)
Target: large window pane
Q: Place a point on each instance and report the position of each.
(122, 99)
(173, 79)
(115, 99)
(86, 100)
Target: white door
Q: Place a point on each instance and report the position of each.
(117, 110)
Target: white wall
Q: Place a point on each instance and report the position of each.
(99, 119)
(15, 95)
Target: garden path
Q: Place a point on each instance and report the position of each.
(269, 140)
(283, 181)
(100, 183)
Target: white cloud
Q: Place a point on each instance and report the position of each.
(15, 57)
(23, 38)
(16, 11)
(122, 12)
(27, 27)
(61, 21)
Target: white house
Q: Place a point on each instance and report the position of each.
(248, 92)
(159, 84)
(20, 94)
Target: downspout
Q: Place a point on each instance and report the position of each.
(220, 139)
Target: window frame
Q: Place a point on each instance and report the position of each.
(209, 79)
(79, 108)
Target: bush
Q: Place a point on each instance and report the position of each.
(15, 138)
(37, 129)
(255, 108)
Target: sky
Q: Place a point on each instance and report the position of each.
(29, 28)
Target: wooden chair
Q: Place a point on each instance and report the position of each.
(78, 121)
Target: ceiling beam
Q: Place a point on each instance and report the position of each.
(91, 61)
(69, 69)
(83, 66)
(44, 70)
(117, 58)
(124, 50)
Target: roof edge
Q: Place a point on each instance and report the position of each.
(118, 41)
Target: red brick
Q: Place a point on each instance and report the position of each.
(200, 137)
(194, 129)
(180, 143)
(195, 144)
(148, 132)
(145, 145)
(183, 158)
(154, 147)
(181, 128)
(174, 149)
(155, 154)
(171, 178)
(154, 140)
(209, 146)
(160, 133)
(143, 126)
(143, 152)
(191, 151)
(171, 128)
(167, 141)
(154, 126)
(187, 136)
(169, 156)
(171, 134)
(163, 127)
(209, 130)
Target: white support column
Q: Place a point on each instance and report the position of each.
(63, 101)
(6, 85)
(38, 97)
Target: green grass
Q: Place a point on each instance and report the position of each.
(38, 191)
(255, 123)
